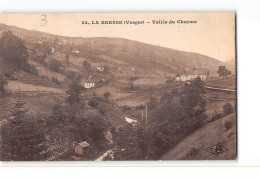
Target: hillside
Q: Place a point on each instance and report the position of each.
(193, 147)
(143, 59)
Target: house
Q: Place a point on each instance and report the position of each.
(82, 148)
(100, 68)
(192, 74)
(75, 51)
(89, 85)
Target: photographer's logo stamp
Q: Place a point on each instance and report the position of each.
(216, 149)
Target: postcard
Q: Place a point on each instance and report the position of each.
(118, 86)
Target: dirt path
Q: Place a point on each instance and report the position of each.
(107, 153)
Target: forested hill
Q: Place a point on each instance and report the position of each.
(145, 58)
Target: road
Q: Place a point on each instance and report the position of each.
(220, 89)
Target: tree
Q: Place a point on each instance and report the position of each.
(67, 58)
(55, 65)
(152, 103)
(86, 64)
(228, 108)
(75, 90)
(3, 83)
(19, 111)
(13, 50)
(22, 136)
(131, 85)
(193, 101)
(223, 71)
(192, 96)
(133, 143)
(107, 94)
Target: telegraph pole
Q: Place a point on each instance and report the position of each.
(146, 114)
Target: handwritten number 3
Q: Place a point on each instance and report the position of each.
(44, 20)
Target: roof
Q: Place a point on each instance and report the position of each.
(84, 144)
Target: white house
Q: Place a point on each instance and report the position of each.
(75, 51)
(89, 85)
(100, 68)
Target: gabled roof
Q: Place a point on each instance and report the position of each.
(84, 144)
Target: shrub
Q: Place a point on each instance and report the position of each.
(86, 64)
(228, 125)
(41, 60)
(106, 95)
(45, 77)
(95, 101)
(10, 75)
(126, 108)
(228, 108)
(71, 74)
(30, 69)
(3, 83)
(55, 80)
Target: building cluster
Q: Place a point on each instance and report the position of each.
(192, 74)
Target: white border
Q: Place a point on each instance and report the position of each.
(248, 29)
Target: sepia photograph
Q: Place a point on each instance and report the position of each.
(118, 86)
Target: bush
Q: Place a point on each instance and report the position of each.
(30, 69)
(228, 108)
(41, 60)
(216, 116)
(107, 94)
(133, 78)
(95, 101)
(10, 75)
(228, 125)
(45, 77)
(55, 80)
(71, 74)
(86, 64)
(3, 83)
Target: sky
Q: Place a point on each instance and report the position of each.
(213, 34)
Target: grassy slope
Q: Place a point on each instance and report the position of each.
(209, 135)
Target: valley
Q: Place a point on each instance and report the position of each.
(116, 81)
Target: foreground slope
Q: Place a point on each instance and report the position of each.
(193, 147)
